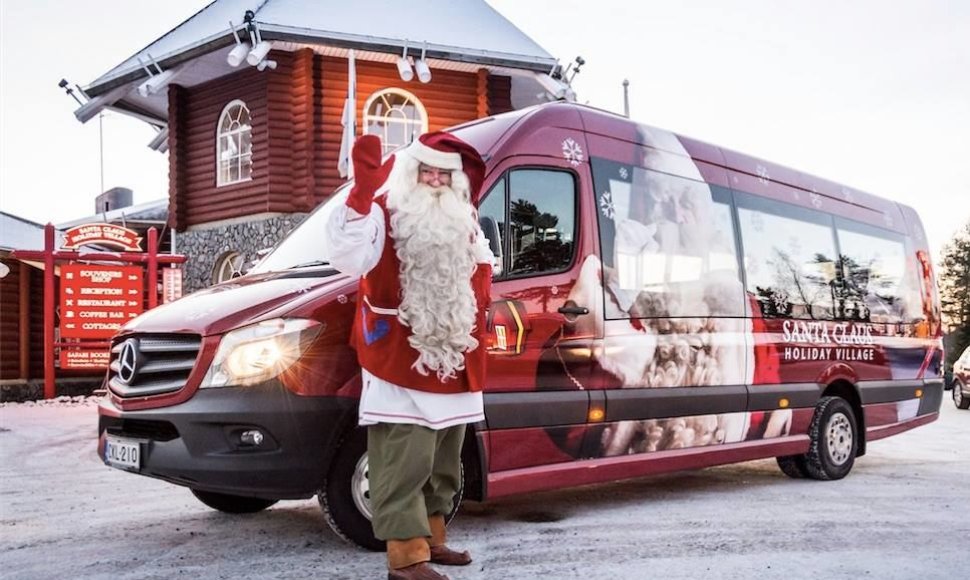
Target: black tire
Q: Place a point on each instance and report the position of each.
(339, 500)
(793, 466)
(232, 504)
(834, 440)
(959, 399)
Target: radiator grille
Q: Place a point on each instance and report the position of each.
(148, 365)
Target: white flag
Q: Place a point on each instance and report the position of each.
(349, 120)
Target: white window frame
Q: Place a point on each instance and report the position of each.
(227, 267)
(220, 181)
(410, 98)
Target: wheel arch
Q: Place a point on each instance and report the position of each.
(848, 391)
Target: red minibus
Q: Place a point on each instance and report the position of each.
(660, 304)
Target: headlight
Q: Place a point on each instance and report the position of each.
(259, 352)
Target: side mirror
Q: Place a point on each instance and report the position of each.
(490, 229)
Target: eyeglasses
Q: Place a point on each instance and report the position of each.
(428, 172)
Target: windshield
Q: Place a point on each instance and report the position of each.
(306, 245)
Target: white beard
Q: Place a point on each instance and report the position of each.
(434, 231)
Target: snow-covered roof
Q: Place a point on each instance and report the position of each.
(464, 31)
(17, 233)
(149, 211)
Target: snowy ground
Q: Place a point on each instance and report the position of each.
(902, 513)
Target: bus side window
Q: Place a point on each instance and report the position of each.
(667, 243)
(542, 221)
(529, 217)
(878, 287)
(789, 258)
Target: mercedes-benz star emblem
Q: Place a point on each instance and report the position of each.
(128, 361)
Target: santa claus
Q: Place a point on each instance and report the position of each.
(425, 271)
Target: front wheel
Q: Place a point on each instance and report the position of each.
(232, 504)
(834, 440)
(959, 399)
(345, 496)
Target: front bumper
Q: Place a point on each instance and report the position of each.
(197, 443)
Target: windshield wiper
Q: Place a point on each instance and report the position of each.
(310, 264)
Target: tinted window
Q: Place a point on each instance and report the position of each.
(668, 244)
(539, 235)
(877, 285)
(789, 258)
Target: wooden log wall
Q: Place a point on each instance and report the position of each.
(21, 307)
(296, 113)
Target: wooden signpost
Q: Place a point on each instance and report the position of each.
(99, 293)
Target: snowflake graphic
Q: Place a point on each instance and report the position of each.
(624, 172)
(816, 200)
(888, 219)
(342, 299)
(763, 176)
(572, 152)
(847, 195)
(606, 205)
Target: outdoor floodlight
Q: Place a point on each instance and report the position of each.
(155, 83)
(424, 72)
(404, 69)
(266, 64)
(422, 68)
(238, 54)
(259, 52)
(404, 66)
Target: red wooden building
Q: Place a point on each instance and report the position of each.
(253, 147)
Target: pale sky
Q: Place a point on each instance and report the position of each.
(873, 94)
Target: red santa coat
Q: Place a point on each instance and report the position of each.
(381, 341)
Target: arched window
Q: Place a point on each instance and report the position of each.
(234, 145)
(396, 116)
(228, 266)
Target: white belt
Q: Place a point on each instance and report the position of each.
(377, 310)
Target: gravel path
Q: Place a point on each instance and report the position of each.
(900, 514)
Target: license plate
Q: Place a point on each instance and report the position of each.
(122, 453)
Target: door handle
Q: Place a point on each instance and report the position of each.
(573, 309)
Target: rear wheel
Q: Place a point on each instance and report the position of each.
(232, 504)
(834, 440)
(959, 399)
(345, 496)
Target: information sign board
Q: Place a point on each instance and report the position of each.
(97, 300)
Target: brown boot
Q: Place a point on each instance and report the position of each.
(419, 571)
(405, 553)
(440, 553)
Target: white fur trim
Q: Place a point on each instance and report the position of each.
(433, 157)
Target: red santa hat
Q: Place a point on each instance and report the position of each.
(445, 151)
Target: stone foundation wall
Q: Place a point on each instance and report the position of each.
(205, 248)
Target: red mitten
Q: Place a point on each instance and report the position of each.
(369, 174)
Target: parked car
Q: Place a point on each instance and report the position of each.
(961, 380)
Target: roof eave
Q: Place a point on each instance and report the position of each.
(285, 33)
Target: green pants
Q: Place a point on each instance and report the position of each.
(414, 472)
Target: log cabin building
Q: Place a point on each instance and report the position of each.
(253, 148)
